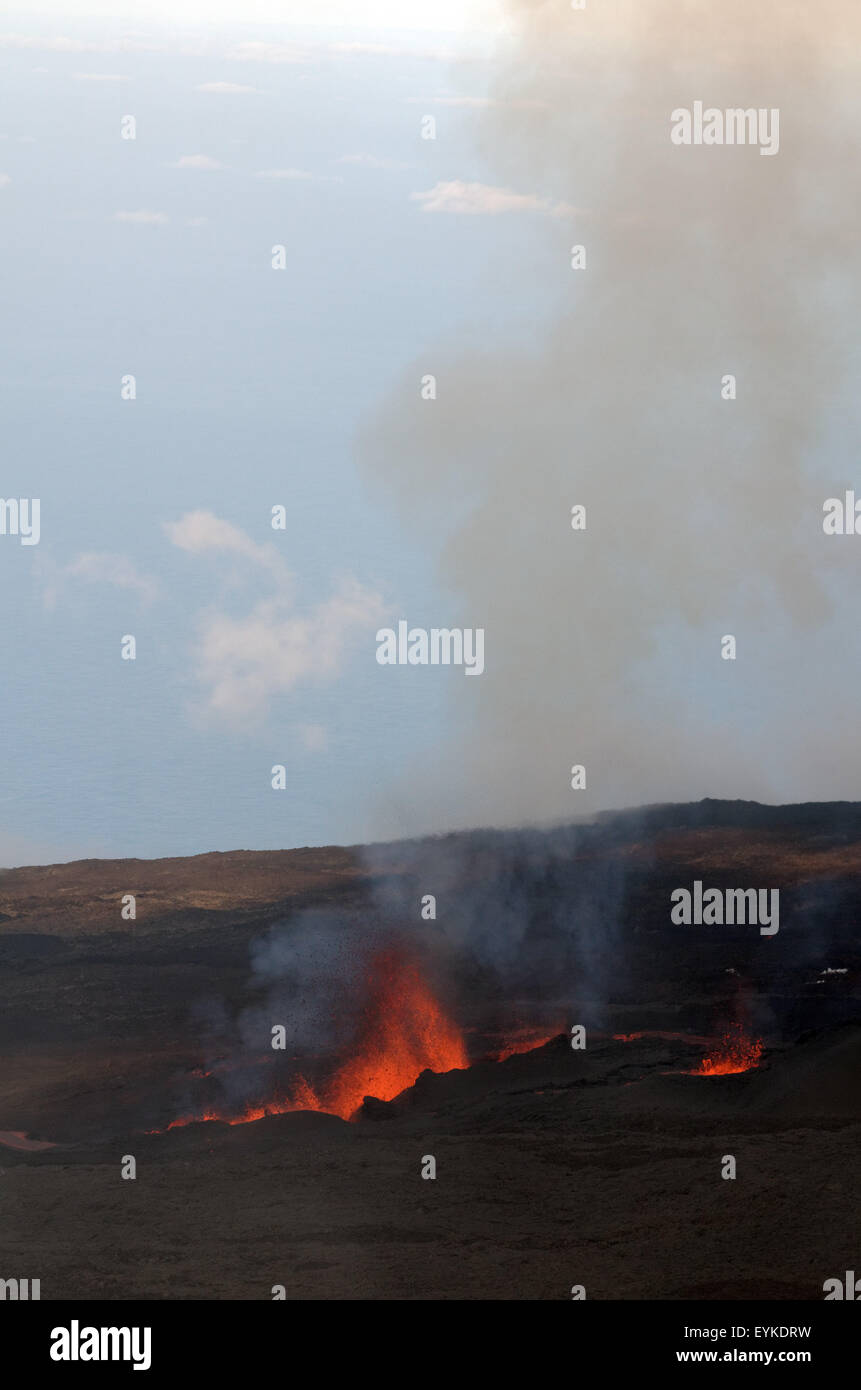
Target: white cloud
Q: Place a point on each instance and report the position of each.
(59, 43)
(244, 662)
(195, 161)
(226, 88)
(142, 215)
(196, 221)
(389, 50)
(298, 175)
(476, 199)
(197, 532)
(374, 161)
(54, 44)
(262, 52)
(116, 570)
(414, 15)
(5, 180)
(479, 102)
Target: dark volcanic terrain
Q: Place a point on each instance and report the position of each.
(555, 1167)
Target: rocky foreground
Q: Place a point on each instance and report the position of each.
(555, 1167)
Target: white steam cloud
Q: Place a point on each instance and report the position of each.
(703, 514)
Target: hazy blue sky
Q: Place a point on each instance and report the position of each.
(263, 124)
(143, 257)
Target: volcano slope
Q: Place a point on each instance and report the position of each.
(556, 1167)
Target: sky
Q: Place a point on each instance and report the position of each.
(153, 257)
(300, 125)
(416, 15)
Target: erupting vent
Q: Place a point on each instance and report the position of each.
(403, 1031)
(736, 1052)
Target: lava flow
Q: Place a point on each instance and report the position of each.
(18, 1139)
(403, 1030)
(736, 1053)
(523, 1040)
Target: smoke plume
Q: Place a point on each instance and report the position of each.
(704, 515)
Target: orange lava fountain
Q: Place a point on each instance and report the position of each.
(403, 1031)
(736, 1053)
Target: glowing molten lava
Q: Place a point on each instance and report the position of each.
(18, 1139)
(736, 1052)
(403, 1030)
(524, 1040)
